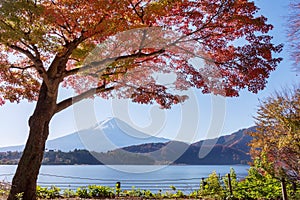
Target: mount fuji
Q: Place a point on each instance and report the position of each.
(106, 135)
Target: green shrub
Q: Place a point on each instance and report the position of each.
(68, 193)
(148, 194)
(194, 194)
(212, 188)
(178, 194)
(234, 184)
(82, 192)
(51, 193)
(133, 192)
(99, 191)
(3, 192)
(258, 186)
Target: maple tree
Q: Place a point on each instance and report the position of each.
(276, 143)
(46, 44)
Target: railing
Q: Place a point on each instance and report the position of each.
(186, 185)
(155, 185)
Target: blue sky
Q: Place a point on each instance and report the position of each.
(238, 111)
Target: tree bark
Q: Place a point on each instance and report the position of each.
(283, 189)
(24, 181)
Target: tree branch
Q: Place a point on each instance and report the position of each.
(139, 54)
(38, 64)
(58, 65)
(25, 52)
(21, 68)
(206, 25)
(72, 100)
(109, 60)
(140, 15)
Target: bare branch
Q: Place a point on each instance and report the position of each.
(89, 93)
(140, 15)
(21, 68)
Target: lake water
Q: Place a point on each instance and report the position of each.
(154, 178)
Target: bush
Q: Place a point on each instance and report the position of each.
(68, 193)
(100, 191)
(234, 184)
(212, 188)
(258, 186)
(51, 193)
(82, 192)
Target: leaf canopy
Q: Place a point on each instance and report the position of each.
(51, 42)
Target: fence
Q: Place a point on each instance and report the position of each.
(155, 185)
(186, 185)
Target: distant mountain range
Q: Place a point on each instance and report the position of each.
(106, 135)
(114, 142)
(229, 149)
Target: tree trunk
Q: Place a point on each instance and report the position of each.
(283, 189)
(24, 181)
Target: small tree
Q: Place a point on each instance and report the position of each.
(294, 34)
(50, 42)
(276, 143)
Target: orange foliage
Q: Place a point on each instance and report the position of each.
(53, 39)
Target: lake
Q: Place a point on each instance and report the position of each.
(154, 178)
